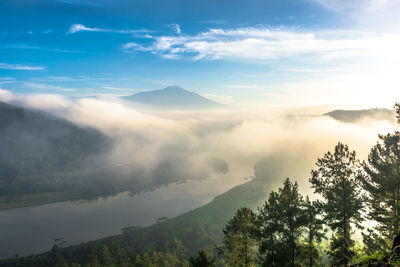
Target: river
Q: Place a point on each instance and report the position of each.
(30, 230)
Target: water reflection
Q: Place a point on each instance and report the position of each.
(32, 229)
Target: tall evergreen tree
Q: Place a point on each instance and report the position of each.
(397, 108)
(281, 221)
(239, 239)
(336, 180)
(382, 182)
(315, 230)
(202, 260)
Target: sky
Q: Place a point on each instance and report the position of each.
(237, 52)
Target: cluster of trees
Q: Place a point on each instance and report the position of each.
(285, 230)
(167, 243)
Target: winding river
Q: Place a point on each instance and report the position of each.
(30, 230)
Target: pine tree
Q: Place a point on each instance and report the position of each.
(239, 240)
(397, 108)
(202, 260)
(271, 248)
(281, 221)
(315, 230)
(382, 182)
(336, 180)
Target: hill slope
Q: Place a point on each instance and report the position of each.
(36, 149)
(172, 97)
(224, 206)
(358, 115)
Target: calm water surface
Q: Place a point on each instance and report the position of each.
(32, 229)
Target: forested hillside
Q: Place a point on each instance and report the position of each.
(40, 153)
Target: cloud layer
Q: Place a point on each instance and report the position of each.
(268, 44)
(82, 28)
(158, 148)
(8, 66)
(363, 5)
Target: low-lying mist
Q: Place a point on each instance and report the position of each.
(155, 148)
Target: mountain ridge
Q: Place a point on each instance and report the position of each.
(353, 116)
(172, 97)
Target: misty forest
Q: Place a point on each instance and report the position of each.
(153, 133)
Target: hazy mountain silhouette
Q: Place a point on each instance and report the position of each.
(172, 97)
(358, 115)
(36, 149)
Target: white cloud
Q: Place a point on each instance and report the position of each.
(313, 70)
(359, 5)
(68, 79)
(7, 66)
(381, 15)
(49, 87)
(47, 31)
(5, 96)
(366, 89)
(255, 87)
(80, 27)
(24, 46)
(49, 102)
(265, 44)
(224, 99)
(176, 28)
(7, 78)
(188, 140)
(130, 45)
(121, 89)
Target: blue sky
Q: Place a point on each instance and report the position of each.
(286, 52)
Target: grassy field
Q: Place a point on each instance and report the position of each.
(39, 199)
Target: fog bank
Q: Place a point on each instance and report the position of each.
(157, 148)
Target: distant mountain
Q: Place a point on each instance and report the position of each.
(352, 116)
(172, 97)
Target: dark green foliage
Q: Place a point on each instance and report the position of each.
(156, 259)
(202, 260)
(382, 182)
(280, 221)
(239, 243)
(336, 181)
(397, 108)
(309, 255)
(373, 259)
(374, 243)
(142, 248)
(314, 226)
(224, 206)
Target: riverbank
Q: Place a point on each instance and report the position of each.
(39, 199)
